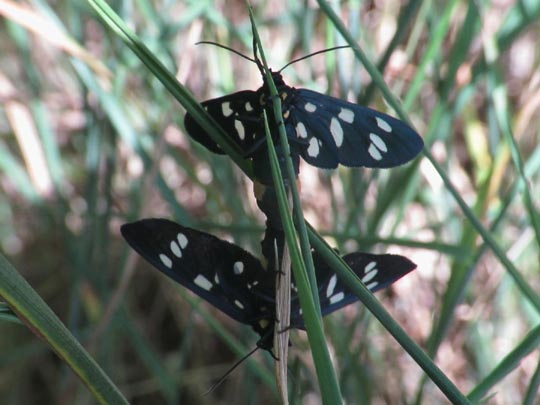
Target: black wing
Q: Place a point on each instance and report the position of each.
(235, 282)
(375, 271)
(218, 271)
(335, 131)
(239, 114)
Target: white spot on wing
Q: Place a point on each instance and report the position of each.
(369, 276)
(378, 142)
(240, 129)
(376, 147)
(301, 130)
(176, 249)
(165, 260)
(238, 268)
(382, 124)
(336, 131)
(346, 115)
(370, 271)
(203, 282)
(238, 304)
(331, 285)
(226, 109)
(337, 298)
(371, 286)
(248, 106)
(309, 107)
(374, 153)
(370, 266)
(216, 279)
(313, 148)
(182, 240)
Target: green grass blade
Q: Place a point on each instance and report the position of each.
(40, 319)
(326, 375)
(520, 281)
(502, 113)
(527, 290)
(405, 20)
(182, 94)
(507, 365)
(307, 285)
(436, 41)
(232, 342)
(371, 69)
(348, 277)
(532, 391)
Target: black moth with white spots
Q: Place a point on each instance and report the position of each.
(324, 130)
(235, 282)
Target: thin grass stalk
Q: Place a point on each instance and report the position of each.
(43, 322)
(506, 365)
(348, 277)
(327, 378)
(376, 76)
(181, 93)
(312, 318)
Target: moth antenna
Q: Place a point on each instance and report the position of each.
(229, 49)
(229, 372)
(309, 55)
(256, 60)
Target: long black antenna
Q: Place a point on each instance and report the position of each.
(309, 55)
(227, 48)
(229, 372)
(258, 62)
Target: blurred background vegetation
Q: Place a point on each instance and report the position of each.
(89, 139)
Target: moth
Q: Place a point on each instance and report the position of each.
(235, 282)
(325, 131)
